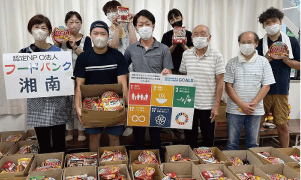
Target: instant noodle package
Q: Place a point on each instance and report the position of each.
(82, 160)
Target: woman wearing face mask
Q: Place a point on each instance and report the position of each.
(77, 44)
(175, 18)
(48, 115)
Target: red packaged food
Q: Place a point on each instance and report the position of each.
(179, 35)
(9, 167)
(294, 157)
(147, 157)
(212, 174)
(277, 49)
(236, 161)
(123, 14)
(60, 34)
(145, 173)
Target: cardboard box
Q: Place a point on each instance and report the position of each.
(19, 144)
(185, 150)
(273, 152)
(212, 167)
(39, 158)
(7, 145)
(288, 172)
(294, 165)
(56, 174)
(183, 170)
(28, 134)
(15, 159)
(158, 175)
(6, 134)
(123, 170)
(247, 169)
(289, 151)
(135, 153)
(15, 178)
(93, 118)
(244, 154)
(219, 155)
(67, 157)
(74, 171)
(108, 148)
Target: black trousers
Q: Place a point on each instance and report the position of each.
(51, 138)
(207, 129)
(139, 135)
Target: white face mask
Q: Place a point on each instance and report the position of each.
(272, 30)
(100, 42)
(39, 34)
(246, 49)
(111, 15)
(145, 32)
(200, 42)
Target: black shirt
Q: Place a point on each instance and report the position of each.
(178, 51)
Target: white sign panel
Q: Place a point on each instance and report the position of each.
(39, 74)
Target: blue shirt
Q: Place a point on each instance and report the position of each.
(281, 71)
(100, 68)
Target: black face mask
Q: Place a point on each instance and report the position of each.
(177, 23)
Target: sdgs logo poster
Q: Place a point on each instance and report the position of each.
(161, 101)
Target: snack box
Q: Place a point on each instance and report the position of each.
(39, 158)
(183, 170)
(273, 152)
(67, 157)
(15, 159)
(179, 35)
(289, 151)
(15, 148)
(135, 153)
(123, 170)
(6, 134)
(56, 174)
(185, 150)
(244, 154)
(158, 175)
(123, 14)
(212, 167)
(247, 169)
(288, 172)
(219, 155)
(73, 171)
(93, 118)
(294, 165)
(108, 148)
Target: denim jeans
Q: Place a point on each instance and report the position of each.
(235, 125)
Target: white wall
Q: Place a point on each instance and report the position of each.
(13, 123)
(294, 99)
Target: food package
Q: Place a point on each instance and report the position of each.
(109, 172)
(123, 14)
(179, 35)
(147, 157)
(295, 157)
(3, 151)
(178, 157)
(13, 138)
(22, 164)
(113, 155)
(60, 34)
(236, 161)
(145, 173)
(41, 178)
(28, 149)
(75, 161)
(212, 174)
(80, 177)
(49, 164)
(277, 49)
(277, 177)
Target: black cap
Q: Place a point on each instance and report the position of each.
(99, 24)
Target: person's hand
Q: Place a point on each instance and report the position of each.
(214, 113)
(247, 108)
(285, 57)
(184, 44)
(55, 43)
(79, 114)
(173, 44)
(165, 71)
(115, 22)
(131, 17)
(72, 40)
(267, 55)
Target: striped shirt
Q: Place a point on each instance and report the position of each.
(204, 69)
(247, 79)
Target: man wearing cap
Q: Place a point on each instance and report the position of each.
(100, 65)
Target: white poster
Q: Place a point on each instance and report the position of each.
(39, 74)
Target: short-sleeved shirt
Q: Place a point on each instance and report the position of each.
(247, 79)
(123, 42)
(204, 69)
(178, 51)
(153, 60)
(100, 68)
(48, 111)
(281, 71)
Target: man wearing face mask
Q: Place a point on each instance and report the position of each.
(100, 65)
(148, 56)
(175, 18)
(247, 81)
(121, 35)
(276, 101)
(208, 68)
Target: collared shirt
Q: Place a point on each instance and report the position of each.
(204, 69)
(242, 59)
(247, 79)
(281, 71)
(153, 60)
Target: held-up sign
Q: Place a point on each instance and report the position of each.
(161, 101)
(39, 74)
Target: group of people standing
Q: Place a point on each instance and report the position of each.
(254, 82)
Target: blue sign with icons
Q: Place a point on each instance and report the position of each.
(160, 116)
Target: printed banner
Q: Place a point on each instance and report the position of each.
(39, 74)
(161, 101)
